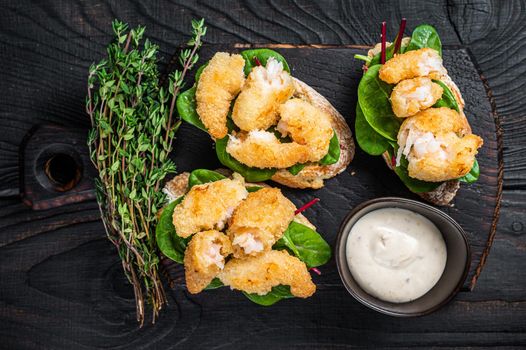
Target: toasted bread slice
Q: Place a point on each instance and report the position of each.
(312, 176)
(178, 186)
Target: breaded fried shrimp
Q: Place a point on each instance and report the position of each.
(438, 145)
(417, 63)
(261, 149)
(258, 274)
(204, 258)
(306, 125)
(413, 95)
(259, 221)
(265, 89)
(208, 206)
(220, 82)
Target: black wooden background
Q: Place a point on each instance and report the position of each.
(61, 284)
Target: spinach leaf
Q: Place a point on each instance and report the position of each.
(448, 99)
(276, 294)
(251, 189)
(414, 185)
(250, 174)
(334, 152)
(425, 36)
(169, 243)
(473, 175)
(369, 140)
(373, 97)
(305, 243)
(262, 55)
(186, 104)
(295, 169)
(202, 176)
(216, 283)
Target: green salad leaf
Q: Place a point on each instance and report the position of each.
(373, 97)
(415, 185)
(425, 36)
(263, 56)
(333, 155)
(187, 105)
(202, 176)
(276, 294)
(305, 243)
(169, 243)
(448, 99)
(473, 175)
(295, 169)
(249, 173)
(216, 283)
(369, 140)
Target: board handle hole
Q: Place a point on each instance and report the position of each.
(63, 172)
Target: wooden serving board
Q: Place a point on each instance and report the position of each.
(333, 72)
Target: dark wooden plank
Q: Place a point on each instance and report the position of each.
(45, 49)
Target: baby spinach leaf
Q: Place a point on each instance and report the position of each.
(334, 152)
(251, 189)
(373, 97)
(202, 176)
(369, 140)
(305, 243)
(186, 107)
(425, 36)
(263, 56)
(473, 175)
(169, 243)
(448, 99)
(250, 174)
(414, 185)
(216, 283)
(276, 294)
(295, 169)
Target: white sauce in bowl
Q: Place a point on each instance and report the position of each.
(395, 255)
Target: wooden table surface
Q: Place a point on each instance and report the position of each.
(61, 284)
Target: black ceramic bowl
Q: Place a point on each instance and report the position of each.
(452, 279)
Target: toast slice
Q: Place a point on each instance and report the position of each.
(312, 176)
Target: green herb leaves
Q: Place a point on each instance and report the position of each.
(132, 132)
(425, 36)
(276, 294)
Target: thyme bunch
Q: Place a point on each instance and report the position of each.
(133, 127)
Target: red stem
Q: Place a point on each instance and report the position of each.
(307, 206)
(382, 54)
(258, 62)
(398, 43)
(316, 271)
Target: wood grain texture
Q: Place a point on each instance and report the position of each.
(61, 284)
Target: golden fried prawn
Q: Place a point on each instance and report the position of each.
(306, 125)
(413, 95)
(220, 82)
(259, 221)
(265, 89)
(417, 63)
(258, 274)
(208, 206)
(261, 149)
(204, 258)
(438, 145)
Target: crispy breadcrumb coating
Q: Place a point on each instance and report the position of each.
(208, 206)
(258, 274)
(220, 82)
(266, 88)
(417, 63)
(413, 95)
(438, 144)
(204, 258)
(261, 149)
(259, 221)
(306, 125)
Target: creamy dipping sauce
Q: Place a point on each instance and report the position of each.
(395, 255)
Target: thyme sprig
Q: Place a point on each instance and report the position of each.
(131, 137)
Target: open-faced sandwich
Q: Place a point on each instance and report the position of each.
(412, 113)
(247, 236)
(267, 124)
